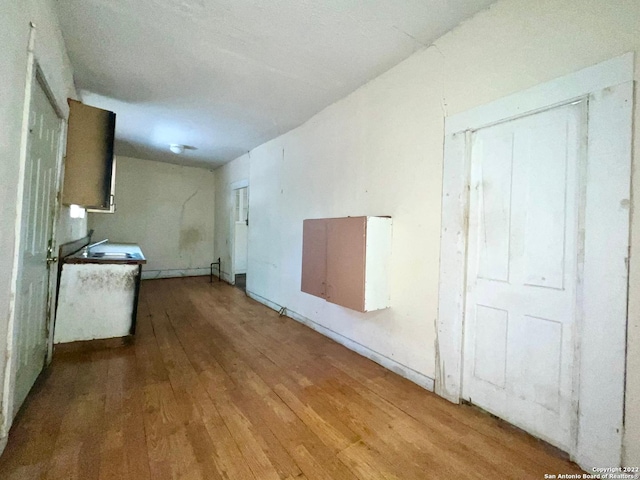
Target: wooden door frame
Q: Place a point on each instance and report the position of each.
(608, 88)
(35, 75)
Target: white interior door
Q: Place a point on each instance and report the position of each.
(241, 229)
(523, 267)
(37, 230)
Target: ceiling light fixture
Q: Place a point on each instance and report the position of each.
(176, 148)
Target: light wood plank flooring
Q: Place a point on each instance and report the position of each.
(218, 386)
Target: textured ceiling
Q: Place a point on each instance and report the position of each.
(224, 76)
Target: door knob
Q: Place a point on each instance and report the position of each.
(50, 258)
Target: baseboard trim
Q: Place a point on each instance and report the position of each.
(410, 374)
(173, 273)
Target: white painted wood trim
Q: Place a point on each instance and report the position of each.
(378, 263)
(232, 235)
(53, 277)
(604, 306)
(609, 87)
(453, 261)
(240, 184)
(561, 90)
(390, 364)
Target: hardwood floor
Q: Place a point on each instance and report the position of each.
(218, 386)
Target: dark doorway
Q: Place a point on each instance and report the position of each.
(241, 281)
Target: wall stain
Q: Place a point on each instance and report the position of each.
(190, 237)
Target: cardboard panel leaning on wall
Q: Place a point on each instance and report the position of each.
(89, 158)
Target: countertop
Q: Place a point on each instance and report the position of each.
(111, 253)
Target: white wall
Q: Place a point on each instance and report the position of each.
(168, 210)
(70, 229)
(228, 177)
(379, 152)
(50, 53)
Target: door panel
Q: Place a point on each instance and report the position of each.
(541, 148)
(491, 345)
(346, 257)
(314, 257)
(523, 270)
(496, 199)
(541, 358)
(37, 222)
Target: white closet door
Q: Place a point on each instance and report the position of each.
(523, 270)
(37, 224)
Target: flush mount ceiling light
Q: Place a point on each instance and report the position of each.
(176, 148)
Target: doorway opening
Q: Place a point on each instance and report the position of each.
(241, 281)
(240, 231)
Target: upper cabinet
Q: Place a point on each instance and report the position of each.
(346, 261)
(89, 172)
